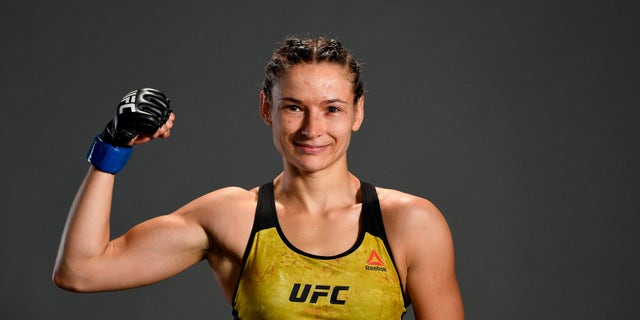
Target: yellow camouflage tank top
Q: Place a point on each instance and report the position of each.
(279, 281)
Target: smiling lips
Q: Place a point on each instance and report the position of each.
(309, 148)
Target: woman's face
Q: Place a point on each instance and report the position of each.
(312, 115)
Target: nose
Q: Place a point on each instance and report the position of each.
(313, 125)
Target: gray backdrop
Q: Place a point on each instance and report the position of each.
(516, 118)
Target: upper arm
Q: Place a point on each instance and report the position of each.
(161, 247)
(149, 252)
(426, 247)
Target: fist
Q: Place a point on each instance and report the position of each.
(141, 111)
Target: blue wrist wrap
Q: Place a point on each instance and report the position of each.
(108, 158)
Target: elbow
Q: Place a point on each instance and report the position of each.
(65, 279)
(64, 282)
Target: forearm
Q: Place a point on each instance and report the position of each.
(87, 230)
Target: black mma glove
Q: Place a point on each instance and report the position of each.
(141, 111)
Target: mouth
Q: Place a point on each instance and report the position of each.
(310, 148)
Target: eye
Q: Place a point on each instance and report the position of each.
(292, 107)
(332, 109)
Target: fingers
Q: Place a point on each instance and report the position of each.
(162, 133)
(165, 131)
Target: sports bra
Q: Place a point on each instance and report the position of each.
(280, 281)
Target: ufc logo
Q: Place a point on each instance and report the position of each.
(318, 292)
(131, 106)
(128, 102)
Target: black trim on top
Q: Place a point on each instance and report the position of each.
(370, 217)
(261, 221)
(372, 222)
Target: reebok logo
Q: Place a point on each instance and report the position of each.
(375, 263)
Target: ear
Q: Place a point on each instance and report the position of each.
(358, 116)
(265, 108)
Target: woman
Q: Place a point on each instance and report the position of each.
(316, 242)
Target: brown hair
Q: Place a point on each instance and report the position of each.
(295, 51)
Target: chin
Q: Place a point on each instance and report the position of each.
(310, 164)
(308, 167)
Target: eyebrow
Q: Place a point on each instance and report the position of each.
(328, 101)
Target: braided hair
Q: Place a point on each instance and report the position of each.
(296, 51)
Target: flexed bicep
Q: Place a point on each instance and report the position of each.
(150, 252)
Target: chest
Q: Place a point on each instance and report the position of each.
(324, 235)
(361, 283)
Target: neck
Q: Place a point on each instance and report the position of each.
(317, 191)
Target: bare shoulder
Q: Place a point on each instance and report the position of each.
(415, 227)
(223, 201)
(408, 210)
(226, 215)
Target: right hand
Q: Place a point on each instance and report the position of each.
(142, 115)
